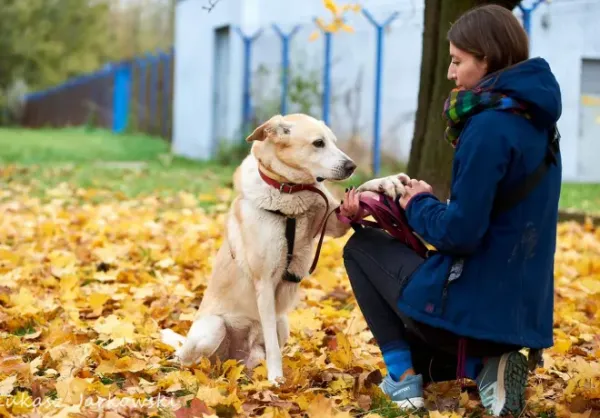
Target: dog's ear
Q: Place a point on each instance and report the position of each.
(276, 125)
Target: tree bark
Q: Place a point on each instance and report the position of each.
(431, 156)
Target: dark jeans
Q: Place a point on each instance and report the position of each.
(376, 263)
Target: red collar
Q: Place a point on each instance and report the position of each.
(285, 187)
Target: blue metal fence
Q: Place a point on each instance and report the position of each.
(148, 80)
(134, 94)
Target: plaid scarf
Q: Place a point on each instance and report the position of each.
(462, 104)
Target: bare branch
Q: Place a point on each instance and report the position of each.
(211, 5)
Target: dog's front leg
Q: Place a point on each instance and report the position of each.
(265, 298)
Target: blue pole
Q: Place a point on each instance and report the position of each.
(527, 15)
(121, 94)
(142, 92)
(326, 99)
(247, 105)
(285, 63)
(327, 78)
(153, 89)
(167, 58)
(378, 77)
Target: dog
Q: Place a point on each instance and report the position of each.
(281, 207)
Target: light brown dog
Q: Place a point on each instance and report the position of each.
(243, 314)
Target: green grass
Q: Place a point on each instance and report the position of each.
(582, 197)
(134, 165)
(45, 158)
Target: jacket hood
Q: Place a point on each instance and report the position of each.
(532, 83)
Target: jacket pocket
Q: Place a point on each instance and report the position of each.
(454, 272)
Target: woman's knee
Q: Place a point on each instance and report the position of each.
(361, 238)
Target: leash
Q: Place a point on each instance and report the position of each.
(290, 230)
(390, 217)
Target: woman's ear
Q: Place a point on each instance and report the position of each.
(484, 65)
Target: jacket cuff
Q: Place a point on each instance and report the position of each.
(416, 198)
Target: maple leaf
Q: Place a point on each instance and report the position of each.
(196, 408)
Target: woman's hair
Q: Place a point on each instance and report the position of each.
(493, 32)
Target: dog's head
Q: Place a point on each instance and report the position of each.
(301, 149)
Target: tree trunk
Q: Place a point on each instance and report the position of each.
(431, 156)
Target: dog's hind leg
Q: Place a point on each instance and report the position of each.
(256, 355)
(203, 339)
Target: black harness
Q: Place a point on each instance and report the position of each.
(290, 237)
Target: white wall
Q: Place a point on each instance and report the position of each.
(568, 38)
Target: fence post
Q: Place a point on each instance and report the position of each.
(141, 64)
(527, 11)
(246, 107)
(153, 60)
(378, 75)
(121, 97)
(285, 63)
(167, 68)
(326, 99)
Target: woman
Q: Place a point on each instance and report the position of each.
(487, 291)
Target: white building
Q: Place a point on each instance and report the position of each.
(210, 55)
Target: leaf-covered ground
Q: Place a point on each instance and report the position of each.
(88, 278)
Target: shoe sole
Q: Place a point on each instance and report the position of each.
(410, 403)
(512, 372)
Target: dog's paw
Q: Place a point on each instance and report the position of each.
(392, 186)
(275, 378)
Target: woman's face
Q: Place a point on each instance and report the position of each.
(465, 69)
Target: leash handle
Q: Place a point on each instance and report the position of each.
(391, 218)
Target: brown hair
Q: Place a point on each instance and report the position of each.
(493, 32)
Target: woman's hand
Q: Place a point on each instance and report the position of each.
(350, 206)
(413, 188)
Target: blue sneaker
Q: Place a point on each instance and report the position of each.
(502, 384)
(407, 394)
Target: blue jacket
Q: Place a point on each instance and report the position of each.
(502, 290)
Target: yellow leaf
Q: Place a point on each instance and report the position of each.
(321, 407)
(341, 356)
(210, 395)
(591, 285)
(562, 346)
(72, 389)
(232, 370)
(22, 404)
(97, 300)
(7, 385)
(124, 364)
(331, 6)
(24, 302)
(115, 328)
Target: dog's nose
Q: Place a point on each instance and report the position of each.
(349, 166)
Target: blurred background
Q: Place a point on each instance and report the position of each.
(193, 77)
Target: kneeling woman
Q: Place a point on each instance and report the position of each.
(487, 291)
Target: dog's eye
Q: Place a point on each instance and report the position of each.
(319, 143)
